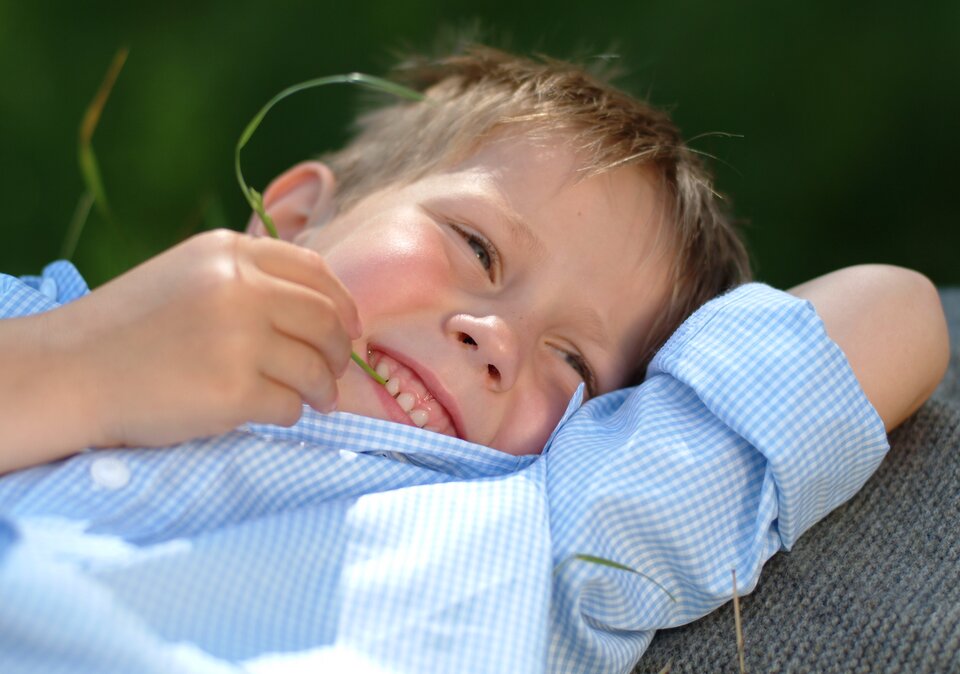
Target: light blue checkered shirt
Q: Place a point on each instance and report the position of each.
(348, 544)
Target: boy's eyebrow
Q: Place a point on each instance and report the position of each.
(521, 232)
(591, 324)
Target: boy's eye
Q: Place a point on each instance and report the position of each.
(482, 248)
(582, 368)
(481, 252)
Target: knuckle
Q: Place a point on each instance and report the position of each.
(222, 236)
(314, 259)
(214, 240)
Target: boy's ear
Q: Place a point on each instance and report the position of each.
(300, 197)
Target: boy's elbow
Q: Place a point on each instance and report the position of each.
(919, 310)
(929, 313)
(889, 322)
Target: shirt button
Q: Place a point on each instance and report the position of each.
(110, 472)
(48, 286)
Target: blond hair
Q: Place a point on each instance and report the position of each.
(476, 93)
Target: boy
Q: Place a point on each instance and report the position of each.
(526, 232)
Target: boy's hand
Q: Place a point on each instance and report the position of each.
(220, 330)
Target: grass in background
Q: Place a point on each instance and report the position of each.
(89, 167)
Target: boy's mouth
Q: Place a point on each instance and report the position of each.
(428, 407)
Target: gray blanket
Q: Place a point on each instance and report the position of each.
(874, 587)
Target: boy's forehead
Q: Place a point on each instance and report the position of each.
(537, 179)
(526, 161)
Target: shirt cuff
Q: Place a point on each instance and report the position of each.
(761, 361)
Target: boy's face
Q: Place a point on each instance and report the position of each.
(489, 291)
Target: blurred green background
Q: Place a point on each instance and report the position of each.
(849, 112)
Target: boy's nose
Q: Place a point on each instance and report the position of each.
(490, 344)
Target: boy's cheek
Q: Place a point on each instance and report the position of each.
(398, 271)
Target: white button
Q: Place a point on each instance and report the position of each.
(110, 472)
(48, 287)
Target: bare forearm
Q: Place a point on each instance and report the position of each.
(890, 324)
(44, 407)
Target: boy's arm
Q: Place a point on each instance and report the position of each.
(42, 409)
(890, 325)
(220, 330)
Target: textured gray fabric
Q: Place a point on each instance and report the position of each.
(949, 388)
(874, 587)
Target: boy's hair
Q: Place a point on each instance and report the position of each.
(475, 94)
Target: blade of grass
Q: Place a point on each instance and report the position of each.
(88, 160)
(75, 228)
(89, 168)
(736, 620)
(593, 559)
(365, 366)
(255, 199)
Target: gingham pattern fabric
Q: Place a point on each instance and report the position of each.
(346, 544)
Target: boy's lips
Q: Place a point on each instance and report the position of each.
(415, 395)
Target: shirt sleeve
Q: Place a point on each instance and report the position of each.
(59, 283)
(749, 428)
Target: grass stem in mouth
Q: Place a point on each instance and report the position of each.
(365, 366)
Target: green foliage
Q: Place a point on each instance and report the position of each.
(848, 113)
(87, 159)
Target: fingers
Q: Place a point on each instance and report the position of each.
(312, 319)
(307, 268)
(301, 369)
(276, 404)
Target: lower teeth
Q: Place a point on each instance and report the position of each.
(419, 417)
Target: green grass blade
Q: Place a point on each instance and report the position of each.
(592, 559)
(87, 160)
(366, 368)
(369, 81)
(255, 199)
(89, 168)
(75, 228)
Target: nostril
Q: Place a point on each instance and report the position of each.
(466, 339)
(493, 372)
